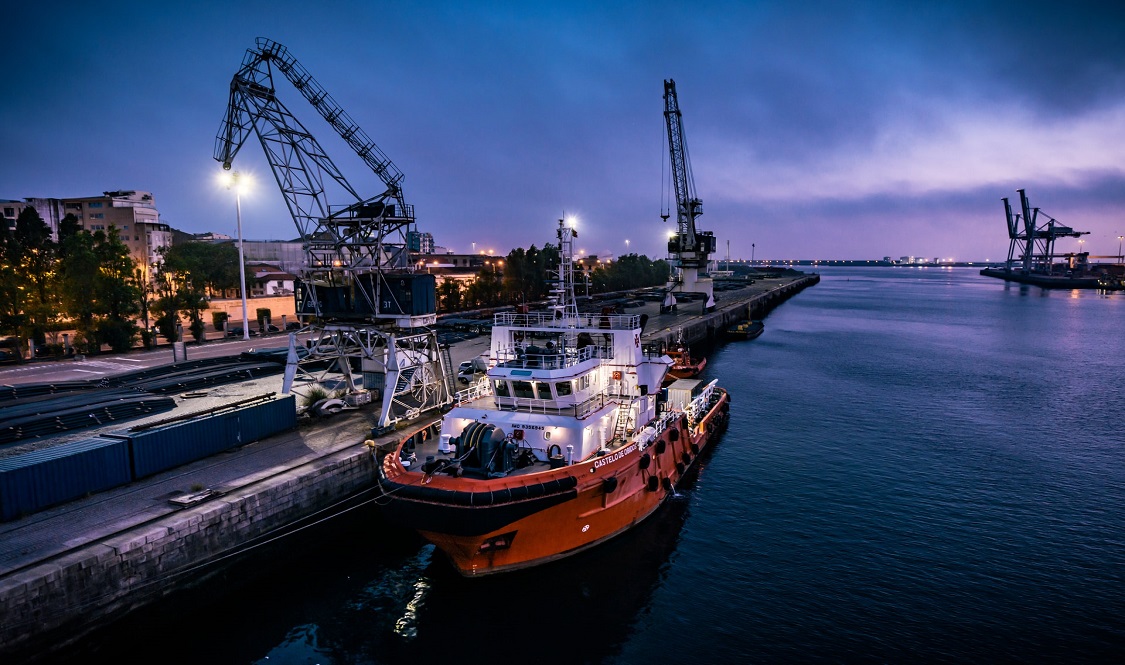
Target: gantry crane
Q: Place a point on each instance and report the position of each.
(367, 310)
(1036, 241)
(689, 249)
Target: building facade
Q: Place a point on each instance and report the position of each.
(135, 216)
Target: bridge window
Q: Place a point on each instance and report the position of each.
(563, 388)
(544, 390)
(500, 387)
(523, 389)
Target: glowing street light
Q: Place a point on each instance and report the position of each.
(232, 179)
(1119, 239)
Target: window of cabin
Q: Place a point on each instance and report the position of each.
(544, 389)
(563, 388)
(523, 389)
(500, 387)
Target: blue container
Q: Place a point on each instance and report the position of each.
(263, 420)
(43, 478)
(161, 449)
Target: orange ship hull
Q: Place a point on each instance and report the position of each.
(494, 525)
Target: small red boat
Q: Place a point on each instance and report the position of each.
(684, 365)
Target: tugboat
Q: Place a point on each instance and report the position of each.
(565, 443)
(684, 365)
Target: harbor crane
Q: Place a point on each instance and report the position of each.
(368, 312)
(1035, 240)
(688, 248)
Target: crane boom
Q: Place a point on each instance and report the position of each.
(349, 247)
(689, 248)
(364, 307)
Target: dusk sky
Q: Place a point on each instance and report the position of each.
(834, 130)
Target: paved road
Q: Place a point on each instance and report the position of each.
(106, 364)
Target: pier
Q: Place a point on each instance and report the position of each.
(70, 569)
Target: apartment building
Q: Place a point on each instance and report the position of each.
(134, 214)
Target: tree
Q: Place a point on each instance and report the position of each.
(183, 278)
(449, 295)
(212, 267)
(30, 258)
(99, 289)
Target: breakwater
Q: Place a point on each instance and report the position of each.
(707, 327)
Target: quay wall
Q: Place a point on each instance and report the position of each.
(707, 327)
(57, 601)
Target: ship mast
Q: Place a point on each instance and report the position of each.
(563, 303)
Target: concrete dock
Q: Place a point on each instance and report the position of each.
(70, 569)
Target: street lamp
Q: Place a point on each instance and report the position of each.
(237, 183)
(1119, 257)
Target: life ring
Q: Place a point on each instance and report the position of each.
(426, 434)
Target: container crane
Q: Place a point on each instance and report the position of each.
(688, 248)
(367, 310)
(1032, 246)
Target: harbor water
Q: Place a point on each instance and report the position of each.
(922, 465)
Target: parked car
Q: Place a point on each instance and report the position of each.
(468, 371)
(236, 331)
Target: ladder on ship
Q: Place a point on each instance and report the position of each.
(624, 417)
(447, 369)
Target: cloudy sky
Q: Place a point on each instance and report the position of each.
(847, 130)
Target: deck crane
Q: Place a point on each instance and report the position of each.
(688, 248)
(367, 310)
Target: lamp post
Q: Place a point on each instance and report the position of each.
(236, 182)
(1119, 257)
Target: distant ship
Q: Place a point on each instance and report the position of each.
(566, 443)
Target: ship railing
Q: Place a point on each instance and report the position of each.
(558, 320)
(581, 410)
(517, 356)
(697, 408)
(481, 388)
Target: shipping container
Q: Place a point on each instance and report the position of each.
(157, 450)
(161, 449)
(42, 478)
(263, 420)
